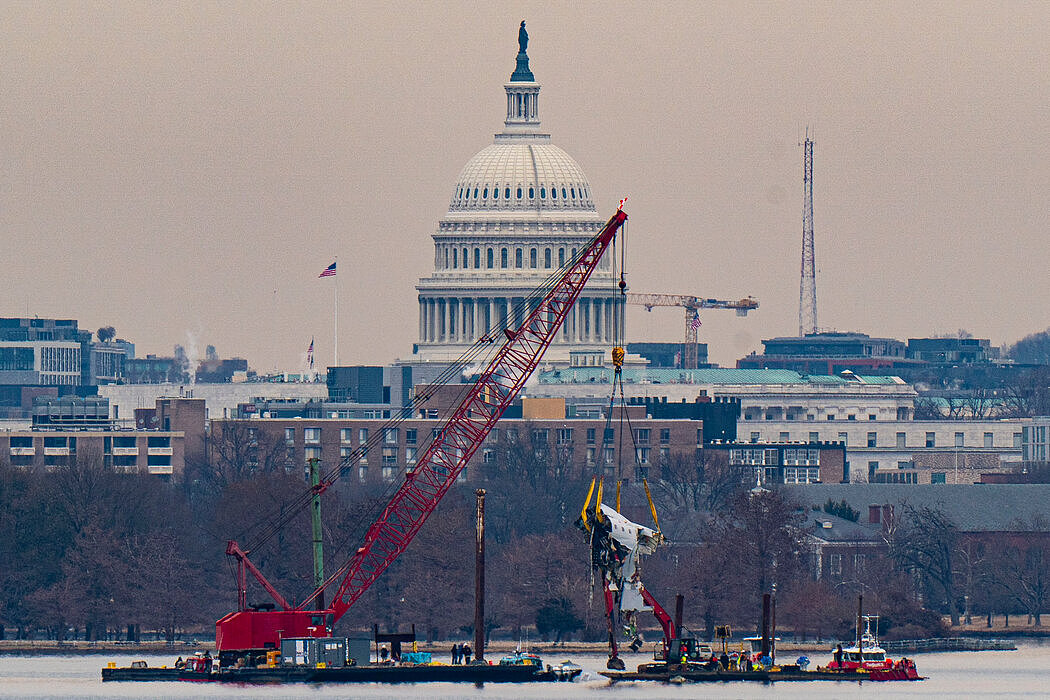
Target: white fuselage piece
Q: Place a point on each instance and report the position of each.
(637, 539)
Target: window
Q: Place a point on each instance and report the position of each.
(517, 258)
(561, 257)
(851, 417)
(362, 436)
(455, 258)
(871, 416)
(858, 563)
(503, 257)
(390, 436)
(488, 257)
(410, 436)
(665, 436)
(641, 436)
(814, 437)
(959, 439)
(755, 437)
(699, 436)
(506, 193)
(872, 468)
(21, 442)
(938, 477)
(540, 437)
(532, 257)
(1017, 439)
(547, 257)
(346, 435)
(785, 436)
(564, 436)
(931, 439)
(871, 439)
(901, 439)
(835, 564)
(532, 193)
(311, 436)
(831, 416)
(610, 435)
(591, 435)
(843, 437)
(643, 455)
(158, 442)
(987, 439)
(477, 258)
(389, 456)
(289, 436)
(410, 455)
(519, 193)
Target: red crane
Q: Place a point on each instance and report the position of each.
(256, 630)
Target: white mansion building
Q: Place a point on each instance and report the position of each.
(521, 209)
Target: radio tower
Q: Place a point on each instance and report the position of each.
(807, 293)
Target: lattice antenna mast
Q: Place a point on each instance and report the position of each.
(807, 293)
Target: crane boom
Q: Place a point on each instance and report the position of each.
(741, 306)
(434, 473)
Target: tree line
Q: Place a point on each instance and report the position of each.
(97, 554)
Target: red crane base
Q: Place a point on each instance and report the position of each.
(240, 631)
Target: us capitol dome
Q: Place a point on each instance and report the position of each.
(520, 209)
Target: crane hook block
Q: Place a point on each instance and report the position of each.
(617, 357)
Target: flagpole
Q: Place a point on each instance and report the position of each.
(335, 318)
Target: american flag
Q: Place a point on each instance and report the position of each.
(328, 271)
(695, 323)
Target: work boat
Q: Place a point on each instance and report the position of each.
(865, 655)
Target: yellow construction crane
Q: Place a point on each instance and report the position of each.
(692, 306)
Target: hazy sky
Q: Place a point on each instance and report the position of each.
(183, 171)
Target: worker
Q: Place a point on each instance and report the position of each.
(724, 660)
(383, 653)
(466, 653)
(455, 653)
(179, 663)
(838, 656)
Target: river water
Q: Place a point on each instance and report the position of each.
(1024, 673)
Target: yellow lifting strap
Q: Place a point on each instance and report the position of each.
(618, 482)
(598, 501)
(586, 504)
(652, 508)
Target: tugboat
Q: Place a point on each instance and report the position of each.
(866, 656)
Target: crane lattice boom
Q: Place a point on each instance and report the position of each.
(434, 473)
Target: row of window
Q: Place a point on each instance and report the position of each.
(774, 414)
(468, 194)
(563, 436)
(872, 438)
(456, 257)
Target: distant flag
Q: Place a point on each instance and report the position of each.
(328, 271)
(310, 354)
(695, 323)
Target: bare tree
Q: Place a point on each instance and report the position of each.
(926, 542)
(1023, 572)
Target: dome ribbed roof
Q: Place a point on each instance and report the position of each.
(509, 176)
